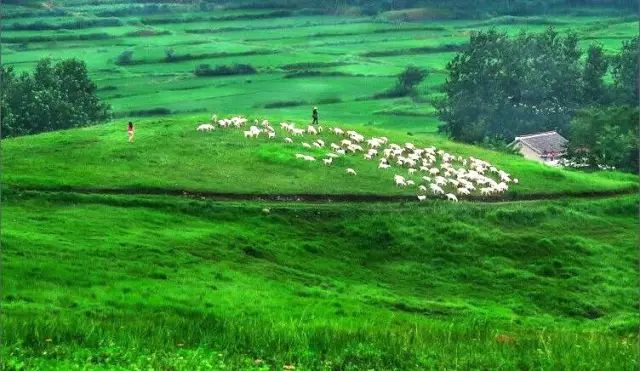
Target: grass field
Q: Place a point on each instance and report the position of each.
(366, 52)
(130, 280)
(170, 154)
(164, 283)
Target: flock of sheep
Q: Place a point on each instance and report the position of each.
(429, 170)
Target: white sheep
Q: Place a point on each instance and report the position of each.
(422, 198)
(288, 140)
(350, 171)
(436, 189)
(306, 145)
(451, 197)
(271, 134)
(327, 161)
(463, 191)
(312, 130)
(205, 127)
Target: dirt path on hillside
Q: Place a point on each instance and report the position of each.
(313, 197)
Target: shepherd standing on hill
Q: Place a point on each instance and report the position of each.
(130, 131)
(314, 115)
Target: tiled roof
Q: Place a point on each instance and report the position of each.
(547, 142)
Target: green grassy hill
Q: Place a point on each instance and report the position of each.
(169, 154)
(121, 282)
(99, 273)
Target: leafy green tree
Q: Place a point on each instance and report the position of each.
(503, 87)
(53, 97)
(407, 81)
(411, 77)
(605, 137)
(625, 72)
(594, 89)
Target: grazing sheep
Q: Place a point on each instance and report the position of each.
(288, 140)
(400, 181)
(309, 158)
(320, 142)
(334, 146)
(451, 197)
(368, 156)
(350, 171)
(410, 182)
(271, 134)
(422, 188)
(383, 165)
(300, 155)
(422, 198)
(341, 152)
(317, 145)
(337, 131)
(412, 170)
(205, 127)
(434, 171)
(436, 189)
(463, 191)
(306, 145)
(426, 178)
(332, 155)
(327, 161)
(312, 130)
(486, 191)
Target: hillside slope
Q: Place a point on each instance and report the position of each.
(169, 154)
(119, 282)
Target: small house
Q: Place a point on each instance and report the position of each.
(547, 147)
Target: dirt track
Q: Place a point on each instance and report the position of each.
(322, 198)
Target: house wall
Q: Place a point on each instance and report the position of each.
(528, 153)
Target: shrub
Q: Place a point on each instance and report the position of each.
(224, 70)
(411, 77)
(125, 58)
(287, 103)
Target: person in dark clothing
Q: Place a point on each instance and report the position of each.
(314, 115)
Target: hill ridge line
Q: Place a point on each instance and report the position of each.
(313, 197)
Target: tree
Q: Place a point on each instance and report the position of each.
(53, 97)
(605, 137)
(503, 87)
(126, 57)
(625, 72)
(407, 81)
(411, 77)
(594, 89)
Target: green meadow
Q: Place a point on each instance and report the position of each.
(105, 265)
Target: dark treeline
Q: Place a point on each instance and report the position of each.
(458, 8)
(52, 97)
(499, 87)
